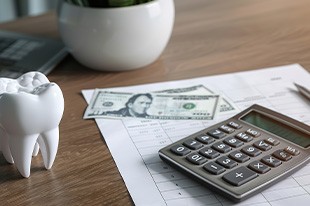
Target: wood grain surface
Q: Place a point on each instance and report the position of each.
(209, 37)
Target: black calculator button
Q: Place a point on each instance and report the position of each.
(196, 158)
(259, 167)
(226, 129)
(226, 162)
(251, 151)
(234, 142)
(234, 125)
(214, 168)
(209, 153)
(272, 141)
(221, 147)
(244, 137)
(253, 132)
(239, 156)
(271, 161)
(281, 155)
(216, 133)
(239, 176)
(192, 144)
(205, 139)
(262, 145)
(291, 150)
(180, 150)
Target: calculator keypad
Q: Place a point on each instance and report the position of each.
(220, 150)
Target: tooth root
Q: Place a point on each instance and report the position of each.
(35, 150)
(21, 149)
(4, 143)
(7, 152)
(48, 142)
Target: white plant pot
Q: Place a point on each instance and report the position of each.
(116, 39)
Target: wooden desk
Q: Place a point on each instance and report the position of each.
(210, 37)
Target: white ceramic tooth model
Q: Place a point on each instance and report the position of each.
(26, 82)
(30, 110)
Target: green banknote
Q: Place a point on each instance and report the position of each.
(110, 104)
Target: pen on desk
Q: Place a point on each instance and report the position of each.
(303, 90)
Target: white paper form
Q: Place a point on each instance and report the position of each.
(134, 143)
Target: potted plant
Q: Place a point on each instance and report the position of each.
(116, 35)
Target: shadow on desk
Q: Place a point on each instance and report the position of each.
(8, 172)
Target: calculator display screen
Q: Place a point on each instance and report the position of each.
(278, 128)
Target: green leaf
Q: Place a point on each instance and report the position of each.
(121, 3)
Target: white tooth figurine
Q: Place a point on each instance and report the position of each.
(30, 111)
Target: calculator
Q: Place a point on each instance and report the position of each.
(244, 154)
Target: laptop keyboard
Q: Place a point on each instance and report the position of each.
(21, 53)
(13, 50)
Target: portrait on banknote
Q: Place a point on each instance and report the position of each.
(136, 106)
